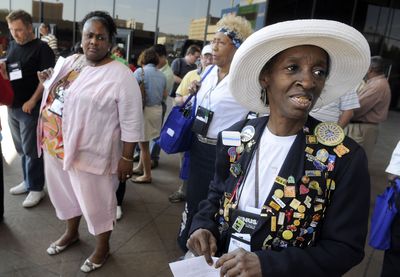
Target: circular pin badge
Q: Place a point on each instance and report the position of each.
(232, 151)
(305, 179)
(296, 222)
(247, 133)
(301, 208)
(287, 234)
(240, 149)
(329, 133)
(314, 185)
(278, 193)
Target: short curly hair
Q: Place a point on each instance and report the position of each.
(240, 25)
(105, 19)
(149, 56)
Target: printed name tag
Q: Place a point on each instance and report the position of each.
(15, 71)
(15, 75)
(239, 241)
(231, 138)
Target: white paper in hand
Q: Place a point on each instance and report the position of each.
(194, 267)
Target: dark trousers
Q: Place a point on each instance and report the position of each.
(201, 173)
(1, 186)
(391, 260)
(121, 193)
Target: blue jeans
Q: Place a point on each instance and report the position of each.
(23, 131)
(154, 146)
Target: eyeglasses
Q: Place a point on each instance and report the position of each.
(219, 42)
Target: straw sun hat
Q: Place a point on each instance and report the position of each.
(347, 48)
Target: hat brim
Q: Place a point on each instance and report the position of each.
(347, 48)
(207, 49)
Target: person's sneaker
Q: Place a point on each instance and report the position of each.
(33, 199)
(119, 212)
(176, 197)
(19, 189)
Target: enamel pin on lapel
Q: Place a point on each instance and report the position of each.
(329, 133)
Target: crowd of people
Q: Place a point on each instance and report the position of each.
(284, 125)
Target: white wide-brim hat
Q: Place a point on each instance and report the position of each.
(347, 48)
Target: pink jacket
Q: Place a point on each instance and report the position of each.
(102, 108)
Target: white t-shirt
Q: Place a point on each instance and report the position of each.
(273, 152)
(217, 98)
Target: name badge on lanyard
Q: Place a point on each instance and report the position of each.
(202, 121)
(15, 71)
(241, 226)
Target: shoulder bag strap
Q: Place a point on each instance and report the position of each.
(142, 75)
(194, 94)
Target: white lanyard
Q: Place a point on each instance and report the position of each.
(257, 177)
(256, 181)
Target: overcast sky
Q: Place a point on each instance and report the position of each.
(175, 15)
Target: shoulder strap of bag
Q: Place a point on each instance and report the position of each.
(194, 94)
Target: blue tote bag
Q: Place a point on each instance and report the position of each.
(176, 134)
(384, 212)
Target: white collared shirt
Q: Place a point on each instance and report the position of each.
(217, 98)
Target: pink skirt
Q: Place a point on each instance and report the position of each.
(74, 193)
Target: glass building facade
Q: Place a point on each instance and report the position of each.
(378, 20)
(64, 17)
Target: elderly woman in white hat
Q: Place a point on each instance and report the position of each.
(216, 110)
(292, 197)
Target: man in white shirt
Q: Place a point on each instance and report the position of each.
(340, 111)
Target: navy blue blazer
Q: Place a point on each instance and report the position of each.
(340, 225)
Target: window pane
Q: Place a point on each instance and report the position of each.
(395, 28)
